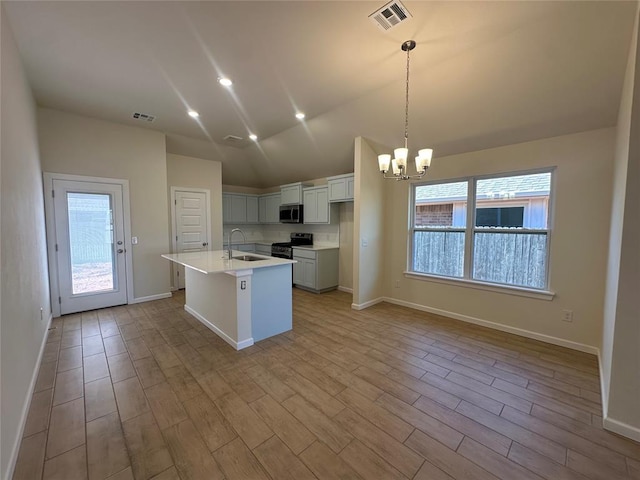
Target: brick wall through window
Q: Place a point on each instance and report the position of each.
(434, 215)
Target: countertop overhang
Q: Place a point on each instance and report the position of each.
(217, 261)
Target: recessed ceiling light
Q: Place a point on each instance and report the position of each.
(300, 116)
(193, 113)
(253, 137)
(225, 82)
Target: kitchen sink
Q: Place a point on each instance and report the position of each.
(248, 258)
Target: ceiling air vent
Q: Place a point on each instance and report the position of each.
(144, 117)
(233, 138)
(392, 14)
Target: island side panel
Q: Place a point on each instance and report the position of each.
(271, 301)
(221, 303)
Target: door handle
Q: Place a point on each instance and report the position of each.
(204, 244)
(120, 250)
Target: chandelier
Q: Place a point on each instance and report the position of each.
(399, 162)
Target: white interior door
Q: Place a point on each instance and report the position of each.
(90, 247)
(191, 226)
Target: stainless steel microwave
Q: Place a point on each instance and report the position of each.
(290, 213)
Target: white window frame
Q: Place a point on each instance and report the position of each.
(470, 230)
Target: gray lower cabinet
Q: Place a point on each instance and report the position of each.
(315, 270)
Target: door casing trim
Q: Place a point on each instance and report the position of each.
(54, 287)
(174, 226)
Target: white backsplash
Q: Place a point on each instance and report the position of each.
(322, 234)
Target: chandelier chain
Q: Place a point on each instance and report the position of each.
(406, 105)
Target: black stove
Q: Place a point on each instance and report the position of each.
(285, 249)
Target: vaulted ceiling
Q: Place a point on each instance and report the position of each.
(483, 74)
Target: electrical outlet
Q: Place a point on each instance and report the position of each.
(397, 283)
(567, 315)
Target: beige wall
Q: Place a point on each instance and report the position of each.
(582, 200)
(368, 226)
(620, 357)
(78, 145)
(345, 259)
(24, 284)
(198, 173)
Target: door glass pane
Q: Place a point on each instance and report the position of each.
(91, 242)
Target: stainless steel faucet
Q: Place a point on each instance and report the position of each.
(244, 239)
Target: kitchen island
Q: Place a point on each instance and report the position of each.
(242, 301)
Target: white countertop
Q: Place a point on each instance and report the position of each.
(317, 247)
(216, 261)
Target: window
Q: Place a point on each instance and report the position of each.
(502, 239)
(439, 226)
(499, 216)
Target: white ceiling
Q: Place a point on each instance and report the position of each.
(483, 74)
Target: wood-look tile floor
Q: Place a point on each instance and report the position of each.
(145, 391)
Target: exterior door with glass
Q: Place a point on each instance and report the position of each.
(90, 244)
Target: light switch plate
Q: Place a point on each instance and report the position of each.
(134, 240)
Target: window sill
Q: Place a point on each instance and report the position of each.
(490, 287)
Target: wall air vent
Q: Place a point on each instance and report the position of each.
(143, 117)
(389, 16)
(233, 138)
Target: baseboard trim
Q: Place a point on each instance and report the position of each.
(609, 423)
(621, 428)
(497, 326)
(27, 405)
(345, 289)
(150, 298)
(370, 303)
(237, 345)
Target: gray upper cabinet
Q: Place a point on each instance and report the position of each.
(317, 208)
(269, 208)
(252, 209)
(291, 194)
(340, 188)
